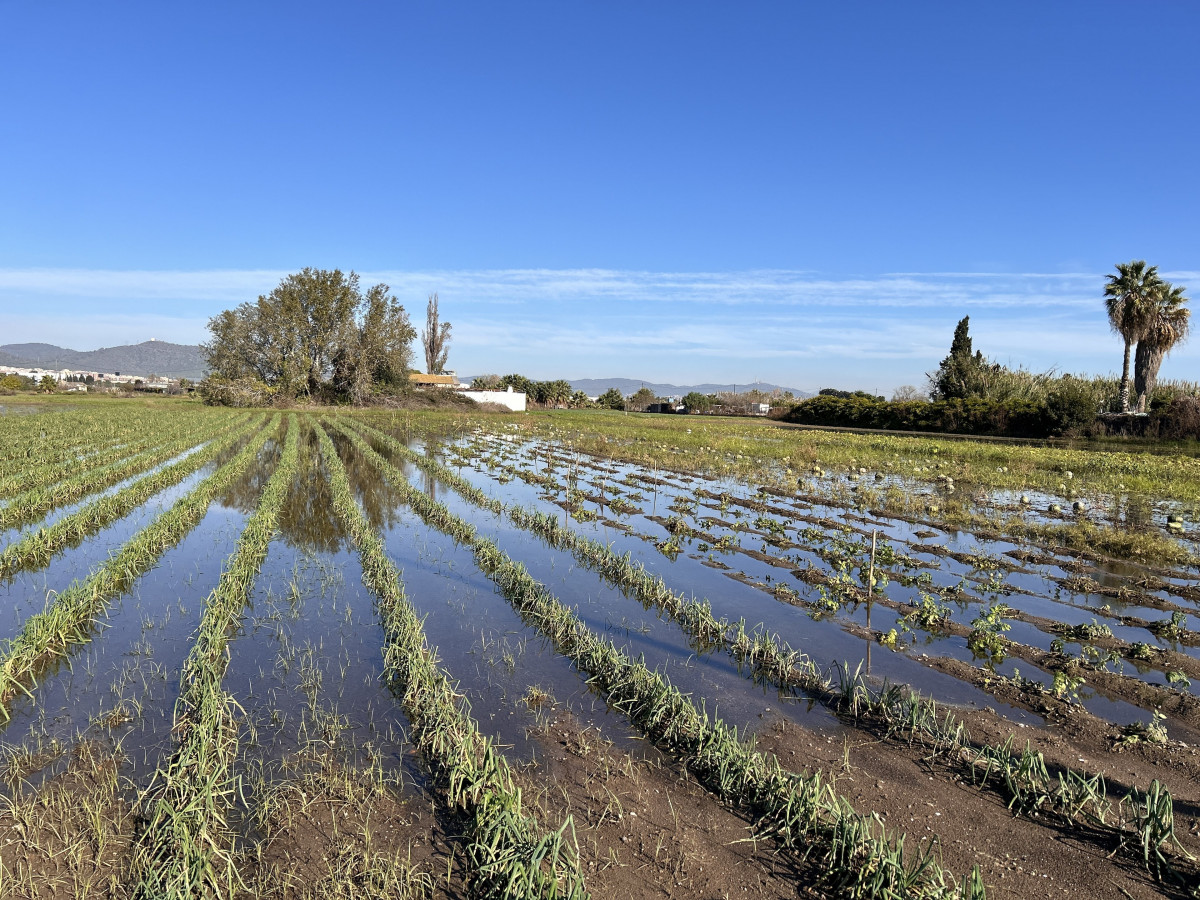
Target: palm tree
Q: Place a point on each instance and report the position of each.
(1167, 325)
(1129, 299)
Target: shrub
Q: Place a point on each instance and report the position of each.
(970, 415)
(235, 392)
(1070, 405)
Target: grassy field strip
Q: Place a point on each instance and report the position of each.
(38, 471)
(62, 436)
(49, 635)
(37, 548)
(26, 506)
(60, 457)
(852, 853)
(185, 849)
(1074, 798)
(508, 854)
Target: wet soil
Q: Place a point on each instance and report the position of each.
(645, 829)
(1020, 857)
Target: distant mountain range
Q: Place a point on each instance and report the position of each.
(186, 361)
(146, 358)
(594, 387)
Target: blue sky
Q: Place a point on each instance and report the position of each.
(809, 194)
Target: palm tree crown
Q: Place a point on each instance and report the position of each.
(1167, 324)
(1129, 298)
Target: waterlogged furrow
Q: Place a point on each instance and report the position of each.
(769, 659)
(1076, 799)
(509, 855)
(36, 548)
(185, 847)
(852, 855)
(931, 614)
(68, 621)
(26, 506)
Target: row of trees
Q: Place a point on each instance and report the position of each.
(11, 383)
(551, 394)
(1149, 313)
(969, 393)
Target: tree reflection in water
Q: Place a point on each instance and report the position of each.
(307, 521)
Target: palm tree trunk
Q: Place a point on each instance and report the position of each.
(1125, 381)
(1147, 362)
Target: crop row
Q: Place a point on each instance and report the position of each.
(184, 849)
(843, 554)
(760, 451)
(1141, 822)
(508, 855)
(57, 463)
(850, 853)
(66, 433)
(28, 505)
(924, 503)
(49, 635)
(36, 548)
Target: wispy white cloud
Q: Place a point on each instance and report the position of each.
(798, 328)
(512, 286)
(219, 285)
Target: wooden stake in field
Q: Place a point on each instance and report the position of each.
(870, 597)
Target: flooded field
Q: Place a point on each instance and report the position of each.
(305, 654)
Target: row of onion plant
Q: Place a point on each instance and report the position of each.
(26, 506)
(33, 441)
(509, 855)
(76, 447)
(45, 459)
(37, 547)
(184, 849)
(69, 619)
(850, 854)
(1072, 797)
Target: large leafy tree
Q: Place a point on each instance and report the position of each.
(376, 347)
(640, 399)
(315, 334)
(963, 373)
(695, 402)
(611, 399)
(1166, 325)
(1130, 300)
